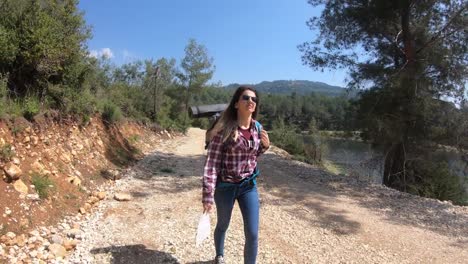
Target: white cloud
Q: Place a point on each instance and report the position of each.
(104, 52)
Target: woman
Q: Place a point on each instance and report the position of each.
(231, 170)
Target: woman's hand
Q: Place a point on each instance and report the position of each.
(264, 139)
(207, 207)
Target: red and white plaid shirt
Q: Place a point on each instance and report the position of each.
(230, 161)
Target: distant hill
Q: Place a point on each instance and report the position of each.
(299, 86)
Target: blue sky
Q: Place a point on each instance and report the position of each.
(250, 40)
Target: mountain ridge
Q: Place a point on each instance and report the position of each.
(301, 87)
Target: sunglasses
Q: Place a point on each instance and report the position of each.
(247, 98)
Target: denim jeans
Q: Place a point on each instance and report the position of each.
(247, 196)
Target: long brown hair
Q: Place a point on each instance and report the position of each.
(228, 120)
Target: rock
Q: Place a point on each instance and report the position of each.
(10, 235)
(33, 254)
(33, 197)
(56, 239)
(65, 158)
(57, 250)
(16, 161)
(122, 197)
(37, 166)
(93, 200)
(24, 223)
(34, 233)
(12, 171)
(20, 186)
(73, 233)
(21, 240)
(82, 210)
(7, 212)
(26, 139)
(101, 195)
(87, 206)
(74, 180)
(69, 244)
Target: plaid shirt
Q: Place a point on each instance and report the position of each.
(230, 161)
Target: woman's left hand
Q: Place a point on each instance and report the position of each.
(264, 139)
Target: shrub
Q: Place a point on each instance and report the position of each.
(6, 152)
(111, 113)
(435, 180)
(42, 184)
(3, 95)
(31, 107)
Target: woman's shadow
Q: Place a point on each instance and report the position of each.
(139, 254)
(135, 254)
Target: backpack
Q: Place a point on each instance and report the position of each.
(209, 136)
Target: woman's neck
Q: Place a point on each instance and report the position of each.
(244, 121)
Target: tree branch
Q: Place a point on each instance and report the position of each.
(437, 36)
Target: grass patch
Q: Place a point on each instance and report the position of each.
(70, 196)
(42, 184)
(134, 139)
(3, 229)
(6, 152)
(331, 167)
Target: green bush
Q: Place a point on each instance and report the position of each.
(111, 113)
(42, 184)
(3, 95)
(31, 107)
(6, 152)
(435, 180)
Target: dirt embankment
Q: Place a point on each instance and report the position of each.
(50, 166)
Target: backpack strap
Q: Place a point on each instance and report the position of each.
(259, 128)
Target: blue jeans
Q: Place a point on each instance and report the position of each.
(247, 197)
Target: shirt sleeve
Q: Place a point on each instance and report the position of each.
(212, 167)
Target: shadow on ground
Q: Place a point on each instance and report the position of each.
(293, 186)
(294, 182)
(135, 254)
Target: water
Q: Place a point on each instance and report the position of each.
(355, 158)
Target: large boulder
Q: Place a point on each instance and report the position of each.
(12, 171)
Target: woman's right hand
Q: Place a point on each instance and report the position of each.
(207, 207)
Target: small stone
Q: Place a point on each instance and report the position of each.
(70, 244)
(101, 195)
(56, 239)
(122, 197)
(20, 186)
(57, 250)
(10, 235)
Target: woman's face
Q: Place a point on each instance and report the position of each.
(247, 102)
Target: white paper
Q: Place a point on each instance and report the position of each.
(203, 230)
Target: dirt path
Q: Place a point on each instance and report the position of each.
(307, 216)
